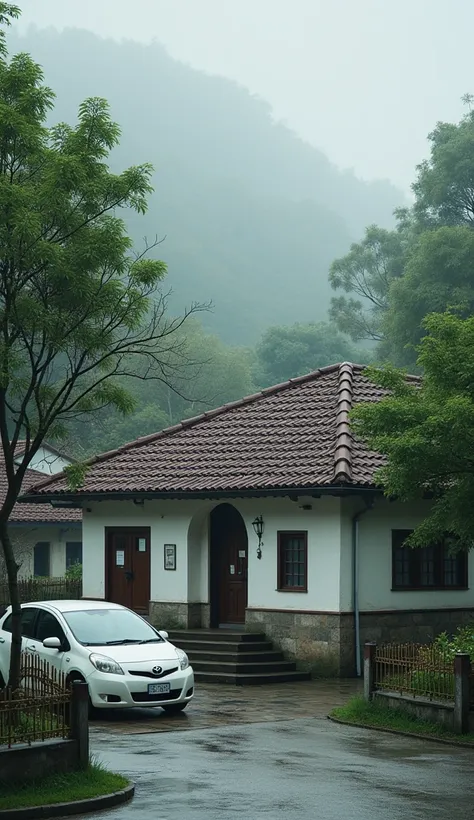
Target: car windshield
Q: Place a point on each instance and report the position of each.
(112, 627)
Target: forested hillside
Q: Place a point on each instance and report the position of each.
(252, 216)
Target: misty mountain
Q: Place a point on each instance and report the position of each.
(252, 215)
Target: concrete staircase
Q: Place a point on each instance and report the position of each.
(236, 657)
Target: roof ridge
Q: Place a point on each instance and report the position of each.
(209, 414)
(343, 449)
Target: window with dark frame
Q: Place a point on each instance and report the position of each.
(73, 553)
(293, 561)
(41, 559)
(431, 567)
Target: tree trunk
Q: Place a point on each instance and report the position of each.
(12, 574)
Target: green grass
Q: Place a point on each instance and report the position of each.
(29, 726)
(377, 716)
(62, 788)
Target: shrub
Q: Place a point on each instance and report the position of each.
(462, 641)
(74, 572)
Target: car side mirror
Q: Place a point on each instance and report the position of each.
(163, 634)
(52, 643)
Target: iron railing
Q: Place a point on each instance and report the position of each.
(40, 709)
(418, 670)
(43, 589)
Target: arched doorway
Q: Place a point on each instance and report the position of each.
(228, 550)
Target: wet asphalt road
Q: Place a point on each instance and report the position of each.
(293, 769)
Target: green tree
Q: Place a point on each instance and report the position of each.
(426, 431)
(439, 276)
(78, 309)
(444, 188)
(286, 352)
(365, 274)
(206, 374)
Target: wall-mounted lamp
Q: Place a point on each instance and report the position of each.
(259, 527)
(140, 502)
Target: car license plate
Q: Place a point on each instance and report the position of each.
(158, 688)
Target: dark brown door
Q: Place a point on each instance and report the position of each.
(229, 564)
(128, 567)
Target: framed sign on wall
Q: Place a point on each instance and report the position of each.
(170, 556)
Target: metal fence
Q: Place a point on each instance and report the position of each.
(43, 589)
(39, 710)
(419, 670)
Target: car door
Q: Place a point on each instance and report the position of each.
(48, 626)
(28, 621)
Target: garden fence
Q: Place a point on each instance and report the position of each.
(40, 709)
(415, 669)
(43, 589)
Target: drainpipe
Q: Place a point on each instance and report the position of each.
(355, 578)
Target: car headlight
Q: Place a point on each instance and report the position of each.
(104, 664)
(183, 659)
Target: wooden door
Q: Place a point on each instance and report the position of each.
(229, 553)
(128, 567)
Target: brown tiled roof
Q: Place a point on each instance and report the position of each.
(294, 435)
(36, 513)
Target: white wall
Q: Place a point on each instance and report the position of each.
(169, 523)
(329, 527)
(322, 523)
(48, 462)
(375, 562)
(25, 538)
(186, 525)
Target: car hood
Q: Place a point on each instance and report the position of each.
(137, 652)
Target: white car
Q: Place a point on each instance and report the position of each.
(123, 659)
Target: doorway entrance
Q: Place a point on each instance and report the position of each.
(127, 567)
(228, 552)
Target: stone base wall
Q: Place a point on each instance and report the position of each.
(22, 764)
(320, 642)
(411, 626)
(170, 615)
(440, 713)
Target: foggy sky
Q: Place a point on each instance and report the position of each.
(365, 80)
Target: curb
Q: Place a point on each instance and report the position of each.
(432, 738)
(106, 801)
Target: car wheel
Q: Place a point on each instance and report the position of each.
(70, 680)
(174, 708)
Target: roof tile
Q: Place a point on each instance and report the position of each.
(292, 435)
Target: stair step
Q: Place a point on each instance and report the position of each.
(235, 657)
(259, 679)
(243, 668)
(215, 635)
(223, 646)
(197, 655)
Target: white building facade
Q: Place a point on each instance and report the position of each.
(340, 582)
(171, 526)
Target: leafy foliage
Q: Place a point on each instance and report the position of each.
(426, 431)
(444, 188)
(80, 310)
(439, 275)
(206, 374)
(286, 352)
(461, 641)
(74, 572)
(75, 475)
(393, 279)
(366, 273)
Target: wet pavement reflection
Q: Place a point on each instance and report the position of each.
(289, 766)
